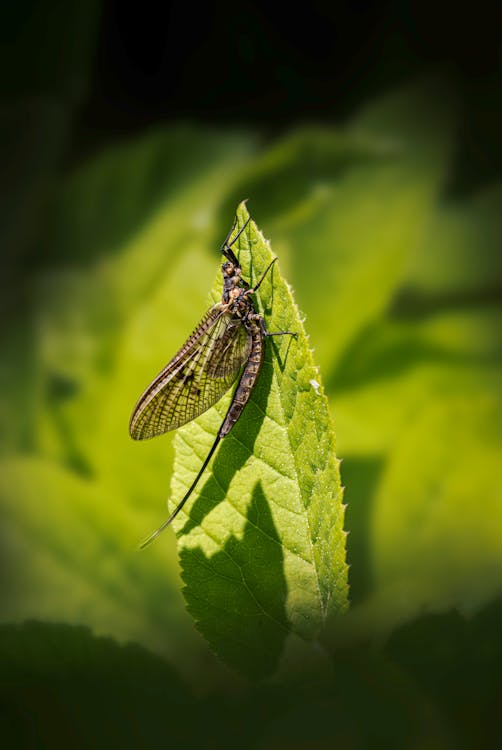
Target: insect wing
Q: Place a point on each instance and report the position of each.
(196, 378)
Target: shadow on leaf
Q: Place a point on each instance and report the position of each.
(237, 596)
(234, 450)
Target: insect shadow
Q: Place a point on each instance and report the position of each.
(281, 360)
(240, 567)
(234, 451)
(267, 305)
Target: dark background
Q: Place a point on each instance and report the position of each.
(78, 76)
(263, 64)
(254, 63)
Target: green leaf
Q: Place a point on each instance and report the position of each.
(400, 367)
(67, 687)
(449, 515)
(459, 260)
(61, 686)
(262, 544)
(417, 399)
(70, 554)
(455, 660)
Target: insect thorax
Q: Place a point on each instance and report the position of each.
(232, 281)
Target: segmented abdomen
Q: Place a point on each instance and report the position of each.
(248, 378)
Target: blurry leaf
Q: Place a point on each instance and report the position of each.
(60, 686)
(371, 703)
(439, 347)
(106, 206)
(436, 684)
(438, 537)
(458, 263)
(457, 661)
(262, 546)
(399, 367)
(399, 371)
(287, 180)
(68, 552)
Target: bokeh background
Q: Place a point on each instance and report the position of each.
(367, 140)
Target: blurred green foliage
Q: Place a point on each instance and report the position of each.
(435, 684)
(400, 286)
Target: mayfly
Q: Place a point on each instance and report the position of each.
(230, 337)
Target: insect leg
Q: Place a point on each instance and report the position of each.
(263, 276)
(265, 332)
(281, 333)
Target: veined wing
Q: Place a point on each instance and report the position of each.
(196, 378)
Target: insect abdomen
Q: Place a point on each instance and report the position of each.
(247, 381)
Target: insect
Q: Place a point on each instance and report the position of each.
(228, 339)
